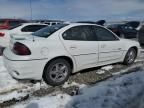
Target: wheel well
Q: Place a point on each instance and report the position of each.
(60, 57)
(134, 47)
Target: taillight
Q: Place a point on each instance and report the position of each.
(21, 49)
(2, 34)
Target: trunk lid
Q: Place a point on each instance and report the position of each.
(23, 39)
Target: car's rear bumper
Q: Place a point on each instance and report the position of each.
(25, 69)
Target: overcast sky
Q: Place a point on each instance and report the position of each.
(73, 10)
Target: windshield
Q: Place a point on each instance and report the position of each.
(47, 31)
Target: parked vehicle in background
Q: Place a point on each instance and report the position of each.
(127, 30)
(141, 35)
(59, 50)
(49, 22)
(100, 22)
(134, 24)
(21, 29)
(8, 23)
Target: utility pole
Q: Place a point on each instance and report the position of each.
(31, 10)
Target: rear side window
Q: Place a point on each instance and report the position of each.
(80, 33)
(32, 28)
(104, 35)
(2, 22)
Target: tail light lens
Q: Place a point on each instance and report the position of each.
(21, 49)
(2, 34)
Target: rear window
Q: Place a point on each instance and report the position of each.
(15, 26)
(47, 31)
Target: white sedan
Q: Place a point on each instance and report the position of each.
(53, 53)
(25, 28)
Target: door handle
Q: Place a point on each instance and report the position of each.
(73, 47)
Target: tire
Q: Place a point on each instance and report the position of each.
(57, 72)
(130, 57)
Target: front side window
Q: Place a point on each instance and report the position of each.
(81, 33)
(104, 35)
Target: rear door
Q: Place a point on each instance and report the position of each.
(80, 42)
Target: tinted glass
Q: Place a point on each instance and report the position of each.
(32, 28)
(142, 28)
(53, 23)
(2, 22)
(81, 33)
(47, 31)
(104, 35)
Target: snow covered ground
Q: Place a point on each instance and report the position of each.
(7, 83)
(11, 88)
(117, 92)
